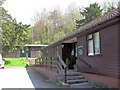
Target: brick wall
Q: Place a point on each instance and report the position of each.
(109, 81)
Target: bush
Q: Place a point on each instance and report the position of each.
(76, 65)
(26, 65)
(40, 60)
(100, 84)
(67, 62)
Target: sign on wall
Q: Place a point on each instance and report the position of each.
(81, 46)
(80, 51)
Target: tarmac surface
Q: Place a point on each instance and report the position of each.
(20, 77)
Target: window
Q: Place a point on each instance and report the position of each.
(93, 44)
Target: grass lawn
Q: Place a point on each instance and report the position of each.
(11, 62)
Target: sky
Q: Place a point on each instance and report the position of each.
(24, 10)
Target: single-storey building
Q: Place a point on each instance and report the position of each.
(32, 50)
(94, 45)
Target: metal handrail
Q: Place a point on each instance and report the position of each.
(63, 63)
(64, 71)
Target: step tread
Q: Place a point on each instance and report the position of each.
(73, 73)
(82, 85)
(77, 81)
(75, 77)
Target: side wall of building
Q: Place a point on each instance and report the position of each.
(12, 55)
(52, 51)
(107, 62)
(34, 52)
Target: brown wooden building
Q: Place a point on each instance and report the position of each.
(31, 50)
(94, 45)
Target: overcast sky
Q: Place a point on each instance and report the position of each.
(24, 10)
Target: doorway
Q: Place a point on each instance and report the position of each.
(24, 52)
(69, 52)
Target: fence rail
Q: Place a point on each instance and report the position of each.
(46, 62)
(50, 62)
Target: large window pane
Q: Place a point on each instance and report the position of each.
(90, 47)
(97, 43)
(89, 36)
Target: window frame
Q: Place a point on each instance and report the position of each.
(87, 42)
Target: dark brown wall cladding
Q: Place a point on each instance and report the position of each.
(52, 51)
(60, 50)
(12, 55)
(107, 62)
(35, 54)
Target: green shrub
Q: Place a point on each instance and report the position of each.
(26, 65)
(67, 62)
(100, 84)
(76, 65)
(40, 60)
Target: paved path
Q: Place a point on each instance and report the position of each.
(23, 78)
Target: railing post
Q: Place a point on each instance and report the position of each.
(57, 65)
(40, 61)
(46, 62)
(35, 61)
(65, 75)
(43, 61)
(51, 62)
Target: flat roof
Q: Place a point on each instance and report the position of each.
(34, 45)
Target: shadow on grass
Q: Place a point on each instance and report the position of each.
(7, 62)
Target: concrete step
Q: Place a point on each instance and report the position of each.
(82, 85)
(70, 78)
(76, 81)
(73, 73)
(75, 77)
(60, 78)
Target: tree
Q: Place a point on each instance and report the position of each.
(49, 24)
(90, 13)
(71, 15)
(13, 33)
(108, 7)
(59, 35)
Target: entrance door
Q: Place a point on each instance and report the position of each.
(24, 52)
(69, 51)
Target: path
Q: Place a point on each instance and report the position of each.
(23, 78)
